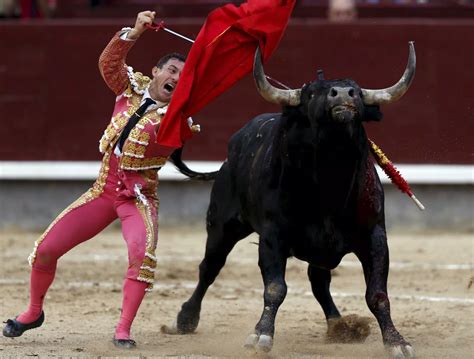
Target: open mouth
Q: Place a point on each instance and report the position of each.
(169, 87)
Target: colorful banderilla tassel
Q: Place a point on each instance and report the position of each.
(393, 173)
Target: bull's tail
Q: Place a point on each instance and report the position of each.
(185, 170)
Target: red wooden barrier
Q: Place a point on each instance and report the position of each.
(54, 105)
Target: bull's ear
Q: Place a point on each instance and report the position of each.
(372, 113)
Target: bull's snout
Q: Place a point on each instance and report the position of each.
(343, 94)
(341, 101)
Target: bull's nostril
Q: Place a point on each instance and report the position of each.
(351, 92)
(333, 93)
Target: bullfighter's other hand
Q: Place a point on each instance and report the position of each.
(143, 18)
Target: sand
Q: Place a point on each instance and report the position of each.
(432, 302)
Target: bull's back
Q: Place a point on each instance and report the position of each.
(253, 135)
(250, 163)
(250, 148)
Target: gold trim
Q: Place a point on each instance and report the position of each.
(148, 262)
(151, 228)
(85, 198)
(143, 81)
(93, 193)
(111, 132)
(130, 163)
(140, 136)
(135, 150)
(99, 184)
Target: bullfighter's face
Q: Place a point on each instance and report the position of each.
(165, 80)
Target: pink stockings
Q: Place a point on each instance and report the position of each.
(133, 293)
(39, 284)
(77, 226)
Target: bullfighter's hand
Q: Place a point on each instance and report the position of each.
(143, 18)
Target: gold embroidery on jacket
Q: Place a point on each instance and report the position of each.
(141, 82)
(138, 136)
(128, 92)
(132, 108)
(134, 150)
(141, 138)
(99, 184)
(130, 163)
(115, 127)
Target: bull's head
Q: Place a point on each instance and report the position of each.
(339, 101)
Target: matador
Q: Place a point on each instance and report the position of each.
(126, 187)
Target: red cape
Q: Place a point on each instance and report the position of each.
(221, 55)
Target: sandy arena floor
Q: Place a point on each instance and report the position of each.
(429, 286)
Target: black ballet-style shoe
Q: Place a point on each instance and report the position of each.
(14, 328)
(125, 343)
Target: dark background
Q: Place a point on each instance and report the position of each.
(55, 106)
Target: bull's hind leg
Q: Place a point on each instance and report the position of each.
(375, 262)
(272, 263)
(222, 237)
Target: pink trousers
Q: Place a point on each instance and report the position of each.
(86, 218)
(86, 221)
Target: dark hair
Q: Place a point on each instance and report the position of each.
(166, 58)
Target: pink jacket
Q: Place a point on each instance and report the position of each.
(141, 157)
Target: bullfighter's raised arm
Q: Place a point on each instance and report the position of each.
(112, 64)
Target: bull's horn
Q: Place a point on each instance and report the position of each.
(269, 92)
(391, 94)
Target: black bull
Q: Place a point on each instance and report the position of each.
(303, 180)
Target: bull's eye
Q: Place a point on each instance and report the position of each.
(351, 92)
(311, 95)
(333, 93)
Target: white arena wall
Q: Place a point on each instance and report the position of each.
(33, 193)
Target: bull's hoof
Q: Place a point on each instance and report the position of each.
(396, 346)
(402, 352)
(259, 343)
(176, 329)
(186, 322)
(348, 329)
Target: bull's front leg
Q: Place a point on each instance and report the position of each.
(375, 262)
(272, 263)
